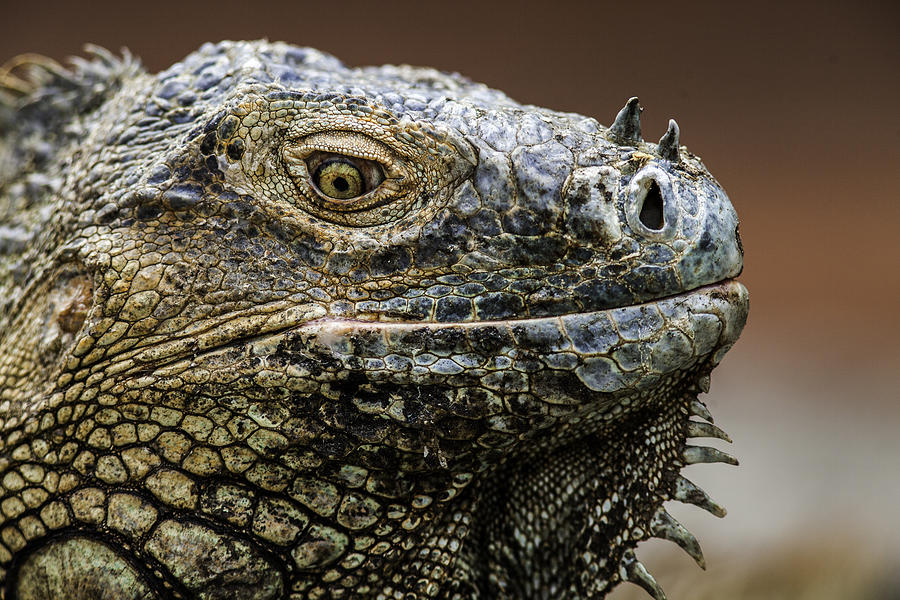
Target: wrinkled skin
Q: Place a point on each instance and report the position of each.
(474, 380)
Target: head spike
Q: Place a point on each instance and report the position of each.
(687, 492)
(695, 429)
(627, 126)
(665, 526)
(668, 143)
(702, 454)
(632, 570)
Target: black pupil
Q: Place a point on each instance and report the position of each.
(340, 184)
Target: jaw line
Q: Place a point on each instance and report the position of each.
(726, 287)
(611, 350)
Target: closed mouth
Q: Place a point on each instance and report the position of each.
(721, 289)
(608, 349)
(611, 350)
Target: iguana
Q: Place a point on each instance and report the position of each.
(274, 327)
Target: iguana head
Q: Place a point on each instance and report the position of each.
(380, 330)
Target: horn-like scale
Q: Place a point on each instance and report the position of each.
(627, 126)
(627, 129)
(668, 143)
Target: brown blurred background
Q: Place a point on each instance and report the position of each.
(795, 108)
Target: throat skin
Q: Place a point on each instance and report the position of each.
(274, 327)
(564, 519)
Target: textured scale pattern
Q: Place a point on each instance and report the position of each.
(477, 379)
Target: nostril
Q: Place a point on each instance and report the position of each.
(652, 209)
(651, 214)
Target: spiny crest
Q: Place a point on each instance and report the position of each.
(686, 491)
(40, 102)
(23, 74)
(32, 84)
(665, 526)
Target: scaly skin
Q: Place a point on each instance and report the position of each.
(473, 379)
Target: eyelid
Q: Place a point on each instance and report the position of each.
(347, 143)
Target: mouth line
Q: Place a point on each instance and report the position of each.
(724, 284)
(619, 350)
(724, 301)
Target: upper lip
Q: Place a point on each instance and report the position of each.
(399, 320)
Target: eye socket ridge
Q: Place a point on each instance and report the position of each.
(343, 177)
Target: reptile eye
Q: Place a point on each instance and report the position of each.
(353, 179)
(342, 177)
(339, 179)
